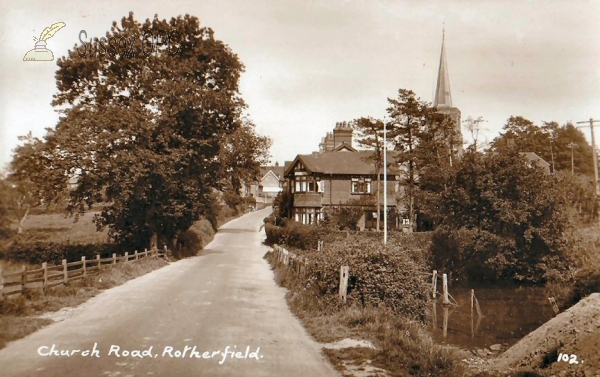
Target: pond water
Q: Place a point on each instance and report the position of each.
(508, 314)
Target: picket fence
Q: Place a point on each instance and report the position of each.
(50, 275)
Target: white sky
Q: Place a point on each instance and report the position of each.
(310, 64)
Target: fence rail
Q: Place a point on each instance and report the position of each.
(50, 275)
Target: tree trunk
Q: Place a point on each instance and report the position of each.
(154, 241)
(22, 221)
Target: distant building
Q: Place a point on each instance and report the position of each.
(269, 185)
(535, 159)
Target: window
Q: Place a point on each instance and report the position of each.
(307, 215)
(306, 184)
(361, 185)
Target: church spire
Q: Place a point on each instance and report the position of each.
(443, 98)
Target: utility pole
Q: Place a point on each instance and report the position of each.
(385, 222)
(594, 153)
(572, 145)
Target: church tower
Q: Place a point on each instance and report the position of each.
(443, 97)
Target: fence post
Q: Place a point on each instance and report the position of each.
(344, 282)
(472, 296)
(434, 283)
(445, 288)
(114, 261)
(65, 272)
(446, 315)
(126, 256)
(45, 268)
(136, 255)
(166, 251)
(1, 283)
(83, 264)
(98, 260)
(146, 253)
(23, 278)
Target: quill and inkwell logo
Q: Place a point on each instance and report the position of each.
(40, 52)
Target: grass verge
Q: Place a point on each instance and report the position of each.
(19, 315)
(403, 346)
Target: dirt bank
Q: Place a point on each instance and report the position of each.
(573, 332)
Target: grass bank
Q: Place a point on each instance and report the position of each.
(394, 324)
(19, 316)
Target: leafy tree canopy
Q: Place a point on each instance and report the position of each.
(550, 141)
(153, 136)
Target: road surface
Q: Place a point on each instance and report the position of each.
(224, 303)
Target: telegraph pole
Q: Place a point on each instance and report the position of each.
(594, 155)
(385, 224)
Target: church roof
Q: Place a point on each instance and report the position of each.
(443, 97)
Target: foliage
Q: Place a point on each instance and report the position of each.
(370, 135)
(26, 250)
(550, 141)
(379, 276)
(189, 243)
(347, 217)
(502, 219)
(232, 198)
(6, 194)
(580, 194)
(153, 143)
(293, 234)
(242, 154)
(426, 143)
(283, 204)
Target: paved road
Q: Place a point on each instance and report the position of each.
(224, 297)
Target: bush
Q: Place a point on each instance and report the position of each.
(54, 252)
(275, 234)
(293, 234)
(189, 243)
(379, 276)
(480, 255)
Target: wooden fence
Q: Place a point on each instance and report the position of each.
(296, 262)
(50, 275)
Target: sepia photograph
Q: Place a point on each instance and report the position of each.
(333, 188)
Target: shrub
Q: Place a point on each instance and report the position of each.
(189, 243)
(480, 255)
(379, 276)
(54, 252)
(274, 234)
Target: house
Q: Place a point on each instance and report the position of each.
(269, 185)
(336, 176)
(535, 159)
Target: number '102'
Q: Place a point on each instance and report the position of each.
(128, 46)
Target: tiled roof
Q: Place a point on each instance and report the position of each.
(531, 156)
(343, 162)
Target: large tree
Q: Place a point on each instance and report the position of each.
(145, 133)
(502, 219)
(407, 122)
(370, 135)
(552, 142)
